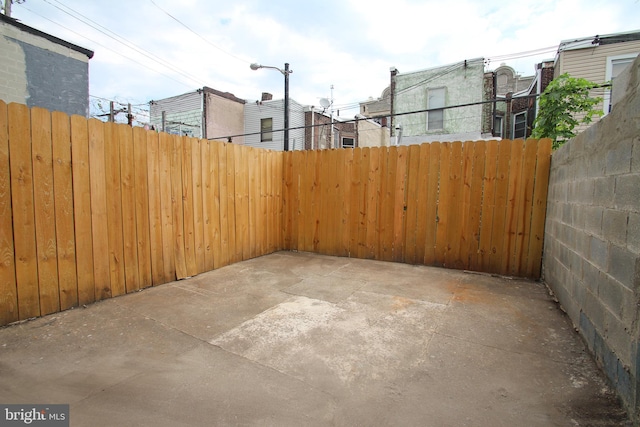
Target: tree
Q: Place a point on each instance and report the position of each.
(565, 104)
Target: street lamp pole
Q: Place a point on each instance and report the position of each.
(285, 73)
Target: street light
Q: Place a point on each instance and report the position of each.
(285, 73)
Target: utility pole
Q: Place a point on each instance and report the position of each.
(286, 106)
(7, 7)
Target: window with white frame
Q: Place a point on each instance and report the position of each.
(615, 65)
(520, 125)
(266, 130)
(348, 142)
(435, 115)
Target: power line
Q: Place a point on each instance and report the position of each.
(194, 32)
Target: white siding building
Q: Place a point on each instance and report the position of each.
(264, 125)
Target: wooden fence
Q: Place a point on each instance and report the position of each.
(91, 210)
(474, 205)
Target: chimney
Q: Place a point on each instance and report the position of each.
(266, 96)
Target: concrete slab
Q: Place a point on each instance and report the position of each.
(295, 339)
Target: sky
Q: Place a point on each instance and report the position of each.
(151, 49)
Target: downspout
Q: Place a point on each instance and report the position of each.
(313, 129)
(494, 95)
(203, 110)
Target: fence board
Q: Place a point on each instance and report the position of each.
(207, 205)
(141, 194)
(513, 199)
(42, 158)
(231, 206)
(8, 285)
(411, 203)
(99, 222)
(536, 237)
(178, 204)
(166, 210)
(519, 262)
(315, 164)
(455, 206)
(431, 218)
(82, 209)
(114, 209)
(63, 202)
(188, 205)
(388, 169)
(444, 196)
(223, 202)
(475, 204)
(23, 211)
(198, 210)
(373, 195)
(467, 232)
(243, 193)
(420, 200)
(488, 206)
(344, 163)
(253, 198)
(362, 205)
(498, 229)
(156, 243)
(216, 217)
(355, 198)
(399, 204)
(129, 228)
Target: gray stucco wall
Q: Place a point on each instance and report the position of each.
(591, 255)
(40, 70)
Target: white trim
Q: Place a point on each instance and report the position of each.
(606, 99)
(513, 125)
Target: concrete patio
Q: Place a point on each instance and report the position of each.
(293, 339)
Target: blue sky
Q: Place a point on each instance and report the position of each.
(148, 53)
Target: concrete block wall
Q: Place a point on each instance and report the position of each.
(591, 255)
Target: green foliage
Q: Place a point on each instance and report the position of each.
(565, 104)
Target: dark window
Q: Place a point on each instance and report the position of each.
(435, 118)
(520, 125)
(348, 142)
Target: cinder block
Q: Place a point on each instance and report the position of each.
(623, 265)
(593, 220)
(624, 382)
(594, 309)
(591, 277)
(599, 252)
(617, 337)
(582, 243)
(585, 191)
(633, 232)
(627, 192)
(604, 190)
(614, 226)
(619, 158)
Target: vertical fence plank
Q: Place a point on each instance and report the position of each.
(8, 285)
(314, 163)
(475, 204)
(536, 237)
(419, 195)
(129, 226)
(178, 197)
(412, 195)
(519, 260)
(224, 201)
(253, 198)
(488, 205)
(355, 199)
(231, 205)
(81, 176)
(304, 207)
(207, 204)
(400, 204)
(63, 201)
(373, 195)
(500, 207)
(23, 211)
(166, 210)
(243, 175)
(344, 163)
(444, 209)
(431, 218)
(156, 218)
(216, 219)
(99, 222)
(467, 232)
(42, 157)
(198, 210)
(287, 220)
(187, 205)
(454, 204)
(114, 209)
(142, 199)
(513, 199)
(385, 203)
(362, 203)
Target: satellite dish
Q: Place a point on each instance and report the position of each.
(324, 103)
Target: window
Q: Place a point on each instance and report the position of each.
(435, 100)
(520, 125)
(497, 126)
(615, 65)
(348, 142)
(266, 130)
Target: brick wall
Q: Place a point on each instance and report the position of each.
(592, 239)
